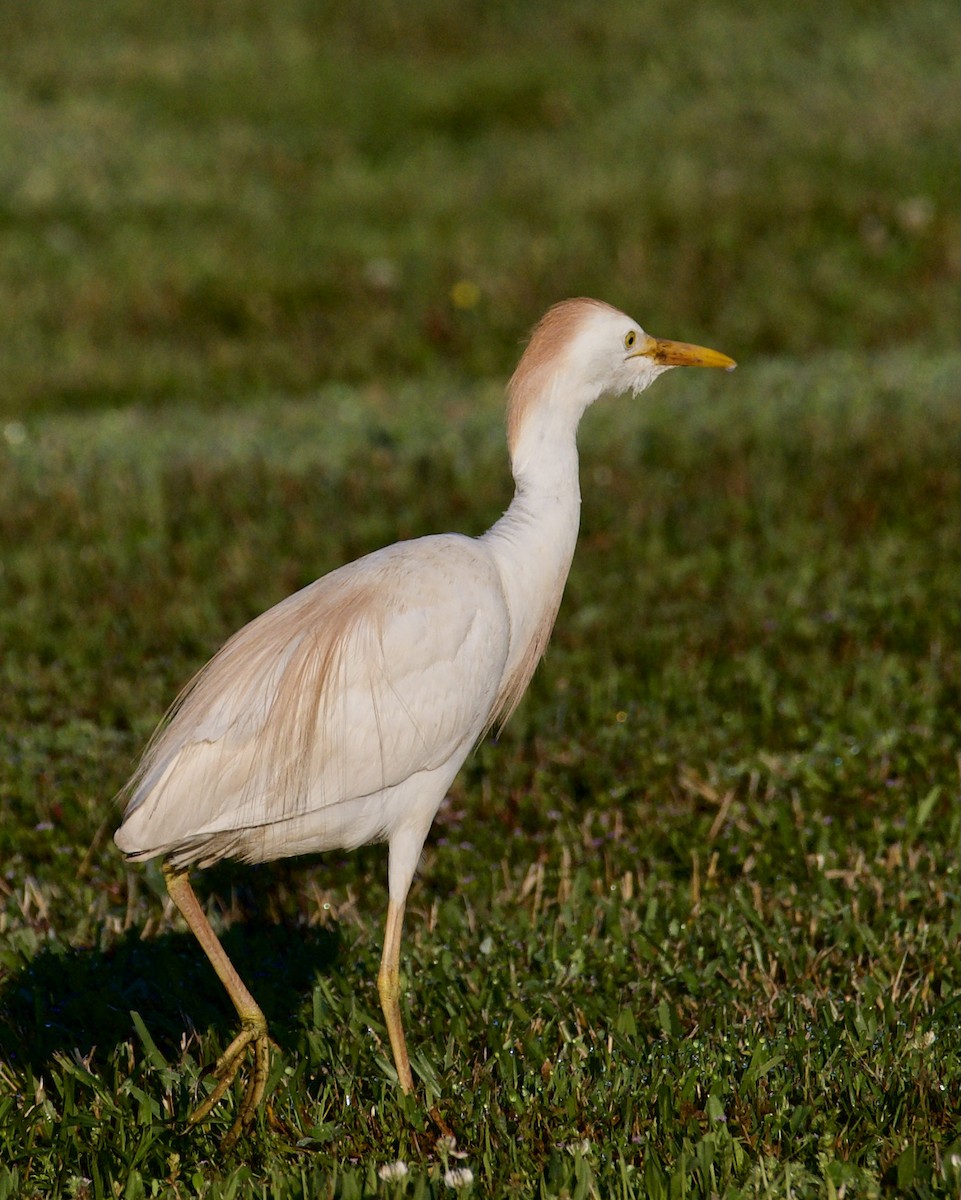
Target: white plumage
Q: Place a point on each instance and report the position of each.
(341, 715)
(297, 735)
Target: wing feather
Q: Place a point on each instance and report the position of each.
(347, 688)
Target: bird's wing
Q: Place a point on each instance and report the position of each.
(378, 671)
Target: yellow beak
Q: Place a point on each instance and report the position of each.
(682, 354)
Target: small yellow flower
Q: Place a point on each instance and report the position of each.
(465, 294)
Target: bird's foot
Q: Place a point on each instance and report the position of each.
(252, 1036)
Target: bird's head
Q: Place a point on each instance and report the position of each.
(600, 351)
(584, 349)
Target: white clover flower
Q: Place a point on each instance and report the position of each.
(394, 1170)
(459, 1177)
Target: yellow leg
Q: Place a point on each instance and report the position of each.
(388, 986)
(253, 1023)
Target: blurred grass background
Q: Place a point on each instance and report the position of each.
(691, 926)
(205, 201)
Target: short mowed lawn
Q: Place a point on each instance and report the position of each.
(690, 924)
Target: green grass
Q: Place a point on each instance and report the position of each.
(690, 926)
(212, 201)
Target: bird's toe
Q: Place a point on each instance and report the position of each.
(253, 1037)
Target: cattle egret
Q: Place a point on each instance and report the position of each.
(341, 715)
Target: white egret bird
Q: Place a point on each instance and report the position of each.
(341, 715)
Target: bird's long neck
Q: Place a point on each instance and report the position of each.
(533, 543)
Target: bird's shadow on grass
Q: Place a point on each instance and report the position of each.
(67, 999)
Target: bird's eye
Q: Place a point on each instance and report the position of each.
(629, 340)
